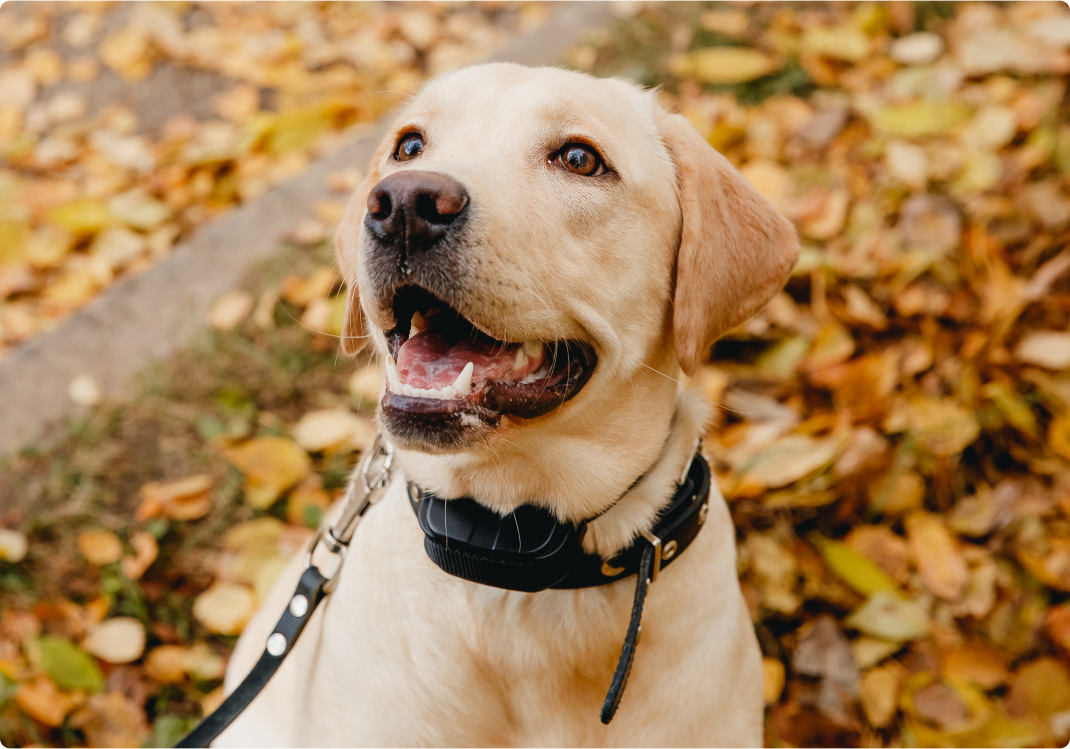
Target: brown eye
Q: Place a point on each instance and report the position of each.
(580, 159)
(409, 147)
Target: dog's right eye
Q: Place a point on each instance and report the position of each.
(409, 147)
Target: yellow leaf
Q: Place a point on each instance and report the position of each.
(773, 671)
(13, 545)
(880, 695)
(720, 65)
(921, 118)
(333, 429)
(942, 427)
(853, 568)
(890, 617)
(84, 216)
(271, 466)
(837, 42)
(127, 52)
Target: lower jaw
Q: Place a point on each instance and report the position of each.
(434, 425)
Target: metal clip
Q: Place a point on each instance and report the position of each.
(374, 474)
(656, 543)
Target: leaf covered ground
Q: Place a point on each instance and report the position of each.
(893, 437)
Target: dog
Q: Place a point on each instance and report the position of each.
(536, 254)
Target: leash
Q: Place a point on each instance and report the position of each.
(480, 546)
(373, 473)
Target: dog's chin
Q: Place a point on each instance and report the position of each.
(449, 383)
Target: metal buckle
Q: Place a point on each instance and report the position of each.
(656, 543)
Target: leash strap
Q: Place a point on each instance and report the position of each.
(308, 595)
(374, 477)
(635, 628)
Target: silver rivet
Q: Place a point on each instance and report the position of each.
(276, 644)
(669, 550)
(299, 605)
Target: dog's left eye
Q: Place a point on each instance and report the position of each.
(581, 159)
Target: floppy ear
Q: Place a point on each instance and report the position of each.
(736, 250)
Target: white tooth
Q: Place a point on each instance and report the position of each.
(463, 383)
(521, 359)
(417, 325)
(393, 377)
(407, 389)
(447, 392)
(434, 393)
(532, 348)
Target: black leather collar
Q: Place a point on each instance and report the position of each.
(529, 550)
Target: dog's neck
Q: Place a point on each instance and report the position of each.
(637, 510)
(621, 514)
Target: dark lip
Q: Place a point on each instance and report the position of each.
(573, 363)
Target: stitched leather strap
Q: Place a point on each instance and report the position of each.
(306, 597)
(627, 653)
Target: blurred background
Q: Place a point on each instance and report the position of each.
(893, 430)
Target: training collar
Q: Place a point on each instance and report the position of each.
(529, 550)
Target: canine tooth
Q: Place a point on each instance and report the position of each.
(532, 348)
(417, 324)
(521, 359)
(447, 392)
(393, 377)
(463, 383)
(407, 389)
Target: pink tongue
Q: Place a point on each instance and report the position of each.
(430, 361)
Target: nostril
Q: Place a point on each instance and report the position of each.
(440, 208)
(379, 204)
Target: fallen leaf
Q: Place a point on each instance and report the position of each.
(68, 665)
(167, 663)
(883, 547)
(1045, 348)
(145, 552)
(937, 555)
(940, 704)
(333, 429)
(230, 310)
(980, 664)
(773, 680)
(1058, 626)
(185, 499)
(112, 720)
(1040, 687)
(879, 695)
(823, 652)
(789, 459)
(853, 568)
(890, 617)
(723, 65)
(917, 49)
(100, 547)
(42, 701)
(117, 640)
(13, 545)
(225, 608)
(271, 466)
(869, 651)
(920, 119)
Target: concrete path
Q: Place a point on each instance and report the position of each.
(150, 316)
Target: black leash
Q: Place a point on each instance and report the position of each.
(310, 591)
(481, 546)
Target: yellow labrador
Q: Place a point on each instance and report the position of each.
(537, 254)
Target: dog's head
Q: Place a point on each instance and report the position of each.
(536, 253)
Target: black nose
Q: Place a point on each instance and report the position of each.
(411, 210)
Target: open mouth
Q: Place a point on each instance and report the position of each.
(441, 363)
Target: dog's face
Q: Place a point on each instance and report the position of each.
(522, 253)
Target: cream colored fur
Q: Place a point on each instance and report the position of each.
(649, 268)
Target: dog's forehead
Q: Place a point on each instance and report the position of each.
(520, 103)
